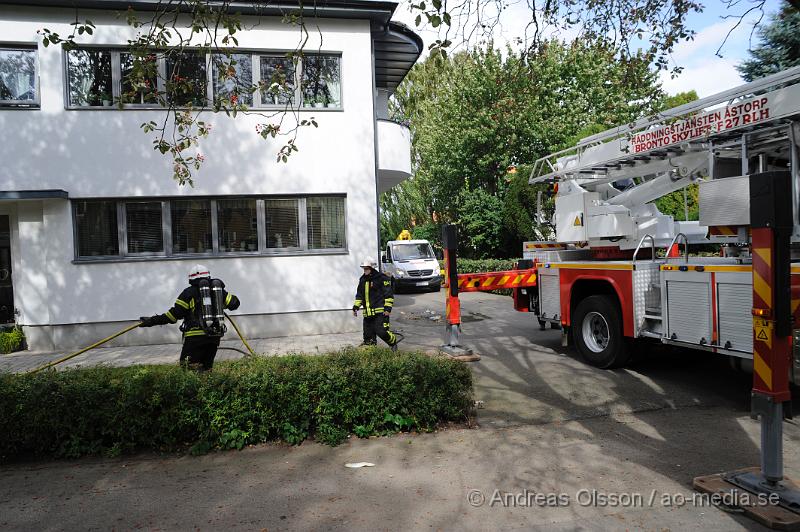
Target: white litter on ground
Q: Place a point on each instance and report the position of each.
(356, 465)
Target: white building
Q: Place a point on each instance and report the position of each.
(93, 230)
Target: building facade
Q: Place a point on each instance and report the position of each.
(94, 232)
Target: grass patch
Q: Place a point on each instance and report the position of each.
(111, 411)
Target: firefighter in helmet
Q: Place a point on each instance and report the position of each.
(202, 325)
(375, 295)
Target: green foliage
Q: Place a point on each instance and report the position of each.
(432, 232)
(111, 411)
(674, 100)
(519, 210)
(11, 340)
(480, 218)
(778, 47)
(482, 265)
(477, 114)
(672, 204)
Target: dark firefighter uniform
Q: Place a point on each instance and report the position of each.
(375, 294)
(198, 348)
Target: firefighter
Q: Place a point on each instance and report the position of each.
(201, 334)
(375, 294)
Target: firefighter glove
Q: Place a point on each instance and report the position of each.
(147, 321)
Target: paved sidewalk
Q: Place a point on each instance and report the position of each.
(168, 353)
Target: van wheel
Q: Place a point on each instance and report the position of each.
(597, 333)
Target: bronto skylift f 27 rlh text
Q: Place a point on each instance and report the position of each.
(601, 280)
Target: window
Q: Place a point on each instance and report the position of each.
(238, 225)
(277, 80)
(143, 227)
(99, 77)
(412, 251)
(325, 221)
(18, 79)
(233, 78)
(144, 89)
(322, 85)
(281, 223)
(191, 226)
(96, 228)
(89, 78)
(186, 75)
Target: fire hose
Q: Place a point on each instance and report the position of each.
(128, 329)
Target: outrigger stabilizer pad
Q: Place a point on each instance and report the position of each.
(454, 349)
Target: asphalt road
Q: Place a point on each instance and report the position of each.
(552, 426)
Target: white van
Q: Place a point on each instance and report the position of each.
(412, 264)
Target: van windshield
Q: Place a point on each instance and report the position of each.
(412, 251)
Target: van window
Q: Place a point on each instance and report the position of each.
(412, 251)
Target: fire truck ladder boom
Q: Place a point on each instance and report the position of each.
(631, 149)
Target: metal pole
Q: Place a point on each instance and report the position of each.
(453, 305)
(771, 224)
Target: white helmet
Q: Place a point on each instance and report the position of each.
(369, 262)
(199, 271)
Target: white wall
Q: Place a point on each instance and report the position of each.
(103, 153)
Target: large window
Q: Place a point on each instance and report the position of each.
(89, 78)
(18, 77)
(106, 229)
(143, 90)
(322, 81)
(99, 77)
(143, 227)
(237, 221)
(186, 79)
(233, 78)
(96, 228)
(283, 229)
(191, 226)
(325, 219)
(278, 83)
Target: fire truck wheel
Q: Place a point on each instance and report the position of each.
(597, 332)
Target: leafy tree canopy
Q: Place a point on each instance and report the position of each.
(475, 116)
(779, 45)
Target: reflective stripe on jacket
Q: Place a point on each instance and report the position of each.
(185, 309)
(374, 293)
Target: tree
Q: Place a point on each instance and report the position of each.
(475, 115)
(779, 45)
(480, 216)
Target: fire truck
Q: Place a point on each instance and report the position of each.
(619, 271)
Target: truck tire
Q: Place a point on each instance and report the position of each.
(597, 332)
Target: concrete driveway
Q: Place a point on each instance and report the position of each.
(560, 446)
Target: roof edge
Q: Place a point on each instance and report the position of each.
(379, 10)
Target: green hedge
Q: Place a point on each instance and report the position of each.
(11, 340)
(110, 411)
(483, 265)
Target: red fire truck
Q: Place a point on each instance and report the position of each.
(603, 280)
